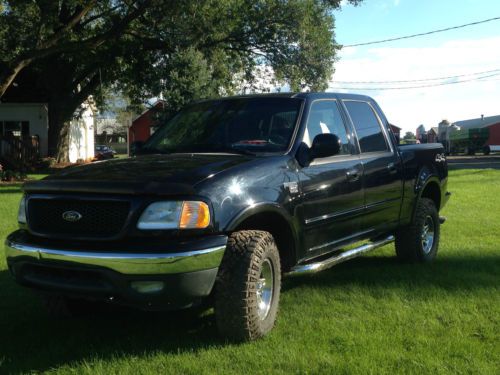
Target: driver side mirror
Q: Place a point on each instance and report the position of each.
(325, 145)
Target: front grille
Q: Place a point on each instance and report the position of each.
(99, 219)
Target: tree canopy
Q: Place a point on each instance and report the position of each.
(409, 136)
(60, 52)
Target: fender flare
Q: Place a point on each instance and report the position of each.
(425, 177)
(258, 208)
(270, 208)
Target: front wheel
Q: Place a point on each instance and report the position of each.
(248, 286)
(419, 241)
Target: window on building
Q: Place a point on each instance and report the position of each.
(15, 128)
(367, 125)
(324, 117)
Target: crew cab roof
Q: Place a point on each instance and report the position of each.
(303, 95)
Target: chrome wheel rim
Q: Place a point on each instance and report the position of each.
(265, 289)
(427, 235)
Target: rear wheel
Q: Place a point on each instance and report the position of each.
(419, 241)
(248, 286)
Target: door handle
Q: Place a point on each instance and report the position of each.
(352, 174)
(391, 167)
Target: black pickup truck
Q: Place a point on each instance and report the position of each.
(222, 201)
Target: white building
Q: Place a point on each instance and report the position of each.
(81, 133)
(21, 120)
(29, 123)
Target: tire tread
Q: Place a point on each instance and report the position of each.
(235, 298)
(408, 242)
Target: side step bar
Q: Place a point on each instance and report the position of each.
(302, 269)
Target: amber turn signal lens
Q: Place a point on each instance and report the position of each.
(194, 215)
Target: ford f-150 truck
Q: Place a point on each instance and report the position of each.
(223, 200)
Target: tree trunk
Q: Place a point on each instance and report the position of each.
(60, 115)
(63, 143)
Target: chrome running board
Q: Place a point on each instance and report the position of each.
(338, 258)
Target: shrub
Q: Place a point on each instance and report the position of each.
(46, 163)
(10, 175)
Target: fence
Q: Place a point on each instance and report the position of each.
(19, 153)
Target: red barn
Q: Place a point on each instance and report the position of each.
(494, 139)
(143, 126)
(491, 122)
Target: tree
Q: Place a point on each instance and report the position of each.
(46, 28)
(50, 52)
(409, 136)
(60, 52)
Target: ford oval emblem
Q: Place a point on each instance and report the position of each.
(71, 216)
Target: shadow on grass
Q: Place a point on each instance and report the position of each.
(32, 342)
(448, 273)
(10, 190)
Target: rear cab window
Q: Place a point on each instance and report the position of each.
(368, 128)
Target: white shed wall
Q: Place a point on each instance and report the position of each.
(81, 136)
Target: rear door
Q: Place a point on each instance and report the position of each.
(382, 171)
(331, 188)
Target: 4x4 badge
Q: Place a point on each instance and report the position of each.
(440, 158)
(71, 216)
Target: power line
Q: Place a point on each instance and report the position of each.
(416, 87)
(423, 79)
(421, 34)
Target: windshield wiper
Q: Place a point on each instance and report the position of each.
(212, 148)
(235, 149)
(198, 148)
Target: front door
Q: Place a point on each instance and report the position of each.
(331, 188)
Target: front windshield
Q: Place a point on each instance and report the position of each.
(240, 125)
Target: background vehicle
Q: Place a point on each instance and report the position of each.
(468, 141)
(103, 152)
(225, 199)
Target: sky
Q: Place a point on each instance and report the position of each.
(467, 50)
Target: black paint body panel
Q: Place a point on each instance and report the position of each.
(321, 206)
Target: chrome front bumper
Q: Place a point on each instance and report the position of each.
(146, 263)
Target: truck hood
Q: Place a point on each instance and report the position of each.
(149, 174)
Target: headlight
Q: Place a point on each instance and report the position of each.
(21, 214)
(175, 215)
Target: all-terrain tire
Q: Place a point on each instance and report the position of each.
(249, 256)
(413, 242)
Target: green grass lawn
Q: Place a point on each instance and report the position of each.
(369, 315)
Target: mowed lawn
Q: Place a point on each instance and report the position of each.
(370, 315)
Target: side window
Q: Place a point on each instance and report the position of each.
(324, 117)
(370, 136)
